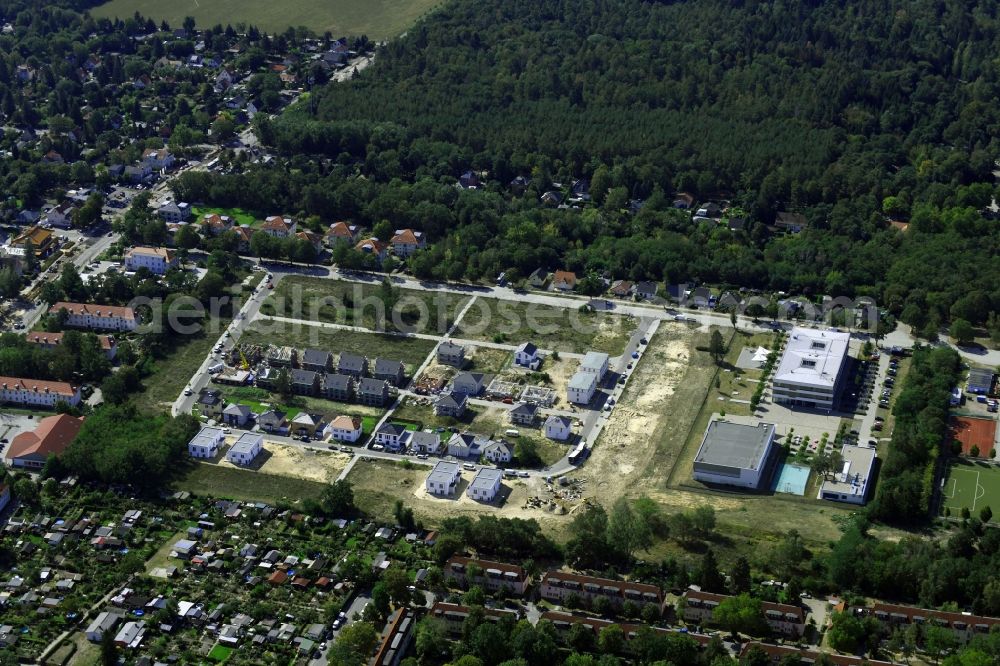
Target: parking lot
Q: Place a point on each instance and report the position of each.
(11, 425)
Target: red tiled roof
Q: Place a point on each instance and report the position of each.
(39, 385)
(779, 651)
(564, 276)
(951, 617)
(346, 422)
(487, 564)
(95, 310)
(784, 609)
(341, 229)
(51, 437)
(276, 222)
(550, 576)
(55, 339)
(405, 236)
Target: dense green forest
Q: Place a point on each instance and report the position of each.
(853, 113)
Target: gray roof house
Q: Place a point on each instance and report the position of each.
(470, 383)
(236, 414)
(373, 392)
(352, 364)
(449, 353)
(272, 420)
(304, 382)
(102, 624)
(316, 360)
(423, 441)
(338, 387)
(452, 405)
(523, 414)
(390, 371)
(467, 445)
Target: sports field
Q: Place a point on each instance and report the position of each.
(972, 486)
(972, 431)
(379, 19)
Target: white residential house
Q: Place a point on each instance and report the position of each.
(236, 414)
(61, 215)
(246, 448)
(391, 435)
(206, 443)
(97, 317)
(443, 479)
(595, 363)
(102, 624)
(174, 212)
(498, 453)
(558, 428)
(158, 260)
(581, 388)
(278, 226)
(527, 356)
(157, 159)
(485, 485)
(37, 392)
(407, 241)
(345, 428)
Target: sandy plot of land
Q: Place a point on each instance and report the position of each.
(296, 462)
(625, 457)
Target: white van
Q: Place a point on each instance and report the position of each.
(215, 367)
(511, 432)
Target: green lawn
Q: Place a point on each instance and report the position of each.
(549, 327)
(379, 19)
(411, 351)
(239, 215)
(237, 484)
(361, 304)
(173, 371)
(973, 486)
(220, 653)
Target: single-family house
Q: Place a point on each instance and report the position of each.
(278, 226)
(646, 289)
(558, 428)
(305, 424)
(526, 355)
(537, 278)
(622, 288)
(341, 233)
(374, 247)
(595, 363)
(467, 445)
(389, 371)
(485, 485)
(174, 212)
(469, 180)
(498, 453)
(157, 159)
(407, 241)
(215, 225)
(523, 413)
(443, 479)
(61, 215)
(131, 635)
(470, 383)
(790, 222)
(316, 360)
(391, 435)
(104, 622)
(581, 388)
(210, 403)
(564, 281)
(336, 386)
(272, 421)
(450, 353)
(452, 404)
(373, 392)
(345, 428)
(206, 443)
(246, 449)
(425, 442)
(304, 382)
(352, 364)
(236, 415)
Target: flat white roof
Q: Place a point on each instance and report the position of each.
(247, 442)
(853, 477)
(813, 358)
(582, 381)
(595, 360)
(444, 472)
(207, 436)
(486, 478)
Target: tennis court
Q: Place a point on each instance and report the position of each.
(792, 480)
(972, 486)
(972, 431)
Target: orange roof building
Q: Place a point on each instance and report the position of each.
(37, 392)
(53, 340)
(97, 317)
(31, 449)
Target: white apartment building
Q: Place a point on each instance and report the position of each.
(157, 260)
(97, 317)
(36, 392)
(581, 388)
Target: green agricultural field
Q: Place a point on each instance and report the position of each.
(411, 351)
(379, 19)
(562, 329)
(972, 486)
(361, 304)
